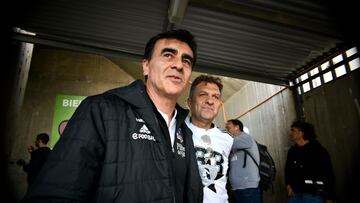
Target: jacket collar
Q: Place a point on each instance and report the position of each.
(135, 95)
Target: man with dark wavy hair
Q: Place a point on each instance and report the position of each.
(309, 175)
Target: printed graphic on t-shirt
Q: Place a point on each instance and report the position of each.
(210, 165)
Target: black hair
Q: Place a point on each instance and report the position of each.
(182, 35)
(306, 128)
(237, 123)
(206, 79)
(44, 137)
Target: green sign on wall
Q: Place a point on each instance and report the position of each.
(65, 106)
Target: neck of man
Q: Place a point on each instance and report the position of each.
(301, 142)
(204, 124)
(238, 133)
(42, 145)
(165, 104)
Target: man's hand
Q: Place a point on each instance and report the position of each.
(30, 149)
(289, 191)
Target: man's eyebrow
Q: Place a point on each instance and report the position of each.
(174, 51)
(187, 56)
(171, 50)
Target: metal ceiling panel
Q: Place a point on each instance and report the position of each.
(267, 41)
(248, 47)
(115, 25)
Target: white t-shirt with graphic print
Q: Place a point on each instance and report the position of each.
(212, 147)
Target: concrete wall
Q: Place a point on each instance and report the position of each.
(269, 124)
(17, 87)
(335, 112)
(52, 72)
(16, 64)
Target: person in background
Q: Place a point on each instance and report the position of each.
(38, 157)
(130, 144)
(212, 145)
(244, 173)
(309, 175)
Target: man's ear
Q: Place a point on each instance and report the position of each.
(188, 101)
(145, 66)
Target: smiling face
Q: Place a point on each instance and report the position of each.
(204, 103)
(169, 68)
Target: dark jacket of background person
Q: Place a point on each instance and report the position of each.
(37, 159)
(106, 155)
(309, 162)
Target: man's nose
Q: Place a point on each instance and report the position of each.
(177, 63)
(210, 100)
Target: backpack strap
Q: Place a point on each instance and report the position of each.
(246, 152)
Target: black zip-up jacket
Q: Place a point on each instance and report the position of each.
(115, 148)
(307, 167)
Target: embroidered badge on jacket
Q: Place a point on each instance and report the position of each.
(180, 149)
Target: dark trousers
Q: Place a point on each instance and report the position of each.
(249, 195)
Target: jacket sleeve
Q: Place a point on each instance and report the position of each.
(244, 141)
(29, 166)
(288, 170)
(72, 169)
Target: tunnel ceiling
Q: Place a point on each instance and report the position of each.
(260, 40)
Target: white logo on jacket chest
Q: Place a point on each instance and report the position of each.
(140, 120)
(144, 129)
(143, 134)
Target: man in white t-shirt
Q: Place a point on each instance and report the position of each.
(212, 145)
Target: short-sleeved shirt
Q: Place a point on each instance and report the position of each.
(212, 148)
